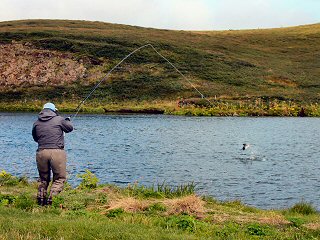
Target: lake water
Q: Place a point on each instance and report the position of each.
(281, 166)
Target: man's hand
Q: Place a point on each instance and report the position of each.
(68, 119)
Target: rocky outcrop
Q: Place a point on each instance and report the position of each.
(24, 65)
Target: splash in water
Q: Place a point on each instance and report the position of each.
(251, 154)
(245, 146)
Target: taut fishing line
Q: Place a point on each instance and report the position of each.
(108, 74)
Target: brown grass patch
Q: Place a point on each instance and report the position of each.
(274, 220)
(312, 226)
(191, 205)
(271, 220)
(282, 81)
(221, 214)
(128, 204)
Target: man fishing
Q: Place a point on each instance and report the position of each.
(48, 131)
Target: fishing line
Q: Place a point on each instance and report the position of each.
(131, 53)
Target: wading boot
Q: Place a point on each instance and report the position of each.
(42, 201)
(49, 201)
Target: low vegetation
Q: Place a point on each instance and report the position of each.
(93, 211)
(197, 107)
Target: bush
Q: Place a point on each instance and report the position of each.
(24, 201)
(257, 230)
(114, 212)
(89, 180)
(303, 208)
(6, 179)
(296, 222)
(57, 201)
(184, 222)
(6, 199)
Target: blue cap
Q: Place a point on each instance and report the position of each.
(50, 106)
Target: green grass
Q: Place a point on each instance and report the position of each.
(253, 107)
(277, 64)
(16, 224)
(110, 212)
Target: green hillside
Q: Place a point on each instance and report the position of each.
(265, 64)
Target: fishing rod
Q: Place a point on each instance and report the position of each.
(120, 62)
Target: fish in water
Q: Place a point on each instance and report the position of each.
(245, 146)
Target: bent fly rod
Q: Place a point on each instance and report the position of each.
(120, 62)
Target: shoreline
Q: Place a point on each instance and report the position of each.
(223, 108)
(160, 211)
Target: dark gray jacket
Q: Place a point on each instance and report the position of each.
(48, 130)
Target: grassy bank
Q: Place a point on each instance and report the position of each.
(93, 211)
(195, 107)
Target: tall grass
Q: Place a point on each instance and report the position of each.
(303, 208)
(162, 190)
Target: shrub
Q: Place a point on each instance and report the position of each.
(24, 201)
(6, 199)
(184, 222)
(303, 208)
(89, 180)
(57, 201)
(8, 179)
(114, 212)
(257, 230)
(296, 222)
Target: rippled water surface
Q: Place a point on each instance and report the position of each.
(280, 168)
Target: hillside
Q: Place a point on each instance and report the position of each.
(61, 60)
